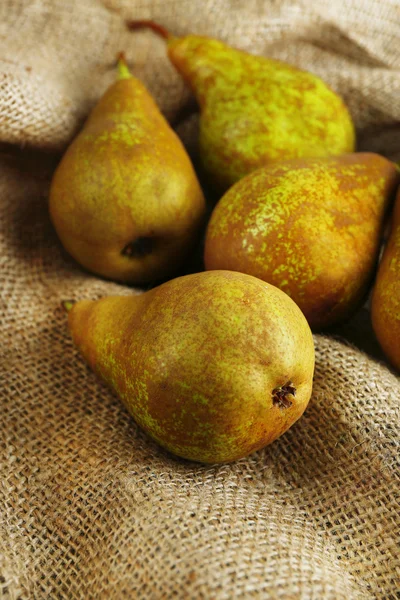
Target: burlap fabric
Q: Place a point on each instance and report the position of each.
(90, 507)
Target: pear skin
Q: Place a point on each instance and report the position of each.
(213, 366)
(385, 305)
(255, 110)
(310, 227)
(125, 200)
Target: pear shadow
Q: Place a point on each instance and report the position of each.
(187, 127)
(358, 331)
(382, 139)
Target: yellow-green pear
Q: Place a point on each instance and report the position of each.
(312, 227)
(255, 110)
(213, 366)
(385, 305)
(125, 200)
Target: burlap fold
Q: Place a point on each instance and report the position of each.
(90, 507)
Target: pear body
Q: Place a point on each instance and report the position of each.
(207, 364)
(125, 200)
(310, 227)
(256, 110)
(385, 305)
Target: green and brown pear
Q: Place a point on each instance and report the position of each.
(255, 110)
(125, 200)
(213, 366)
(311, 227)
(385, 305)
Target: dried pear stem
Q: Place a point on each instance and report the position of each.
(67, 305)
(148, 24)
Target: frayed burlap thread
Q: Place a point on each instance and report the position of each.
(90, 506)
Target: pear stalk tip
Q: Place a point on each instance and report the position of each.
(123, 70)
(121, 57)
(67, 305)
(148, 24)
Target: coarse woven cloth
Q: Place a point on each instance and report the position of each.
(90, 506)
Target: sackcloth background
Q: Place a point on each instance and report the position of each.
(90, 507)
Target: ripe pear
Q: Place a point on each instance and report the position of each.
(255, 110)
(125, 200)
(311, 227)
(213, 366)
(385, 305)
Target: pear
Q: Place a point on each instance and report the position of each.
(255, 110)
(213, 366)
(311, 227)
(385, 305)
(125, 200)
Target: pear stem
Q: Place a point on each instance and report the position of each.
(123, 71)
(67, 305)
(147, 24)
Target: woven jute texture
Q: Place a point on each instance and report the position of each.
(90, 507)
